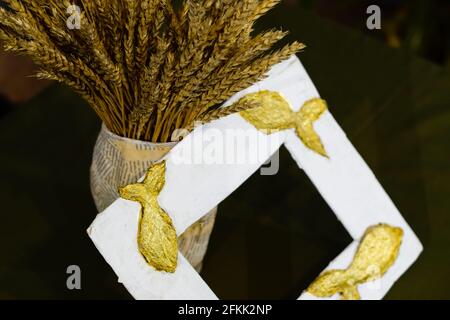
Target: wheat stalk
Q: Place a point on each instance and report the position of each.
(147, 67)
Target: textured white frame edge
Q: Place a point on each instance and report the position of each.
(345, 182)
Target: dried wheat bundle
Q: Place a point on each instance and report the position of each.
(147, 67)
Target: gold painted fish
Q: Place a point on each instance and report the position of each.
(157, 238)
(375, 255)
(273, 114)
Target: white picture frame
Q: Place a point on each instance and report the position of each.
(344, 180)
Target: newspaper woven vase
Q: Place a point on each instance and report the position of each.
(119, 161)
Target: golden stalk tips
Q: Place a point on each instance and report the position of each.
(147, 67)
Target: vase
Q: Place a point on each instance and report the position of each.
(119, 161)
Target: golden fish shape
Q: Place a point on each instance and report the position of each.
(273, 114)
(375, 255)
(157, 238)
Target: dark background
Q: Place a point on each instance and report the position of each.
(389, 90)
